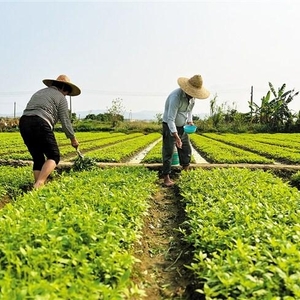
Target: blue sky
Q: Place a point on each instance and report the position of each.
(136, 50)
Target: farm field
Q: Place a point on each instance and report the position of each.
(116, 233)
(212, 147)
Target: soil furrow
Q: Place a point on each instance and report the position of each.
(162, 254)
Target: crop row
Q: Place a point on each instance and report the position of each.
(215, 148)
(220, 152)
(73, 238)
(11, 142)
(244, 228)
(14, 180)
(287, 152)
(123, 150)
(155, 155)
(283, 140)
(15, 149)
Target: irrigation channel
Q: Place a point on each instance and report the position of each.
(138, 158)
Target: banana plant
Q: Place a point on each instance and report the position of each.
(274, 112)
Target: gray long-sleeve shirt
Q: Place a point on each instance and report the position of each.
(52, 106)
(178, 110)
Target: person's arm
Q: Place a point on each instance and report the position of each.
(174, 102)
(189, 118)
(172, 113)
(63, 115)
(190, 112)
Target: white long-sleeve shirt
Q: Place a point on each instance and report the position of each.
(178, 110)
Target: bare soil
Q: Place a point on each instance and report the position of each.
(4, 200)
(163, 255)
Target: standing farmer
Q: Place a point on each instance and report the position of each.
(45, 108)
(177, 113)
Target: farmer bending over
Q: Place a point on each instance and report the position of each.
(45, 108)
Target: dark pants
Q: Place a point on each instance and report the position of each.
(39, 139)
(184, 153)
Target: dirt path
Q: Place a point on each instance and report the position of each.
(140, 156)
(162, 254)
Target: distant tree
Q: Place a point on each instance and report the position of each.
(73, 117)
(90, 117)
(116, 111)
(103, 117)
(159, 118)
(216, 112)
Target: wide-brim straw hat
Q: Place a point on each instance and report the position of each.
(193, 86)
(66, 80)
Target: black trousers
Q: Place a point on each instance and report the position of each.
(39, 139)
(184, 153)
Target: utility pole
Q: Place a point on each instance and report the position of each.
(130, 116)
(15, 109)
(251, 100)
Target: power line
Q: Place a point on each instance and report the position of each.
(13, 94)
(126, 93)
(96, 92)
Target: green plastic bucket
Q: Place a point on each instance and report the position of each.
(175, 158)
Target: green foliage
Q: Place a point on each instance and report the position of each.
(159, 118)
(116, 111)
(295, 180)
(223, 118)
(154, 155)
(124, 150)
(217, 148)
(274, 111)
(84, 163)
(73, 238)
(91, 125)
(15, 180)
(139, 126)
(216, 112)
(284, 151)
(121, 126)
(244, 229)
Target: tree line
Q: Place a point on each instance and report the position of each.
(272, 114)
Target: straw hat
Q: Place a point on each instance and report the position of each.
(64, 79)
(194, 87)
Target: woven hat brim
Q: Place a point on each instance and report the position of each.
(75, 89)
(201, 93)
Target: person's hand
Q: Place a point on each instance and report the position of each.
(74, 143)
(179, 143)
(177, 140)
